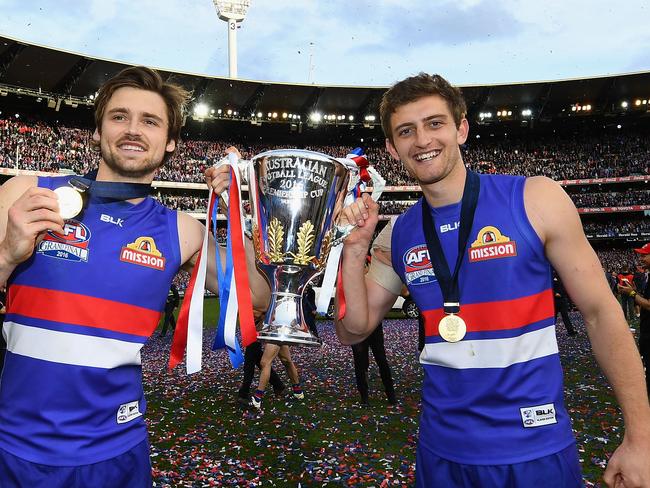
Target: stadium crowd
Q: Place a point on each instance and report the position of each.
(615, 260)
(34, 145)
(184, 203)
(37, 146)
(611, 199)
(617, 226)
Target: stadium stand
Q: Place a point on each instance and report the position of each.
(577, 132)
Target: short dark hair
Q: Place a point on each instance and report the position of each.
(416, 87)
(144, 78)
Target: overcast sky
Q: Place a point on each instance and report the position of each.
(352, 42)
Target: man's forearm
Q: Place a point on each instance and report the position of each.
(260, 291)
(355, 324)
(6, 268)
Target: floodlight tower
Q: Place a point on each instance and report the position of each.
(233, 12)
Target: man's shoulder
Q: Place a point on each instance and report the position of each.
(546, 197)
(186, 222)
(501, 180)
(190, 232)
(411, 215)
(21, 181)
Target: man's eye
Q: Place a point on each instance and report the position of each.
(404, 132)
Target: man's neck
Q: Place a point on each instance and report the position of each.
(104, 173)
(448, 190)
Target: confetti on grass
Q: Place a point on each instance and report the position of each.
(201, 437)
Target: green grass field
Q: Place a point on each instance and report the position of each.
(200, 436)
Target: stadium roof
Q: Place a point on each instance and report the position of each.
(50, 72)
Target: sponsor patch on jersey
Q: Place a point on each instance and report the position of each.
(143, 252)
(417, 266)
(449, 227)
(128, 412)
(538, 415)
(72, 245)
(491, 244)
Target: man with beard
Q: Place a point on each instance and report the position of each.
(86, 289)
(476, 254)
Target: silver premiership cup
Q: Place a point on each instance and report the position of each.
(296, 197)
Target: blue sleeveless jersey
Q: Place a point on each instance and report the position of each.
(495, 397)
(78, 313)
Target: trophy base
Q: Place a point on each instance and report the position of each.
(287, 336)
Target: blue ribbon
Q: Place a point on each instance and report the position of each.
(224, 277)
(115, 190)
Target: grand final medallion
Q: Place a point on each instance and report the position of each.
(70, 202)
(452, 328)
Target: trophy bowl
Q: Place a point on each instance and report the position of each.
(295, 196)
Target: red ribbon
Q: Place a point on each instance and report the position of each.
(179, 342)
(246, 320)
(340, 294)
(363, 164)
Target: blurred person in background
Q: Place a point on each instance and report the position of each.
(641, 297)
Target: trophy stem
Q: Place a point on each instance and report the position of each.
(284, 322)
(296, 197)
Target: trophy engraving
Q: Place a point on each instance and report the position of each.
(296, 197)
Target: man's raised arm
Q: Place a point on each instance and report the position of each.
(366, 302)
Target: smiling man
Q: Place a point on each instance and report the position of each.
(86, 290)
(476, 253)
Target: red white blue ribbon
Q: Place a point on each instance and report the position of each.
(362, 163)
(234, 278)
(189, 329)
(227, 305)
(188, 335)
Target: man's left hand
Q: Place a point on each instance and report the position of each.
(629, 467)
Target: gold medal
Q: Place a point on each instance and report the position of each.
(452, 328)
(70, 202)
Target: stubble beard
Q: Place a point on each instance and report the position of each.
(427, 179)
(128, 169)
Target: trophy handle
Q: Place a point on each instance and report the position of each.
(378, 186)
(341, 232)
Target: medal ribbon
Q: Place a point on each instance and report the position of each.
(448, 282)
(115, 190)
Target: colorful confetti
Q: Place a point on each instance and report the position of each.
(201, 436)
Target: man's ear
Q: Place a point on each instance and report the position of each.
(463, 131)
(171, 145)
(391, 149)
